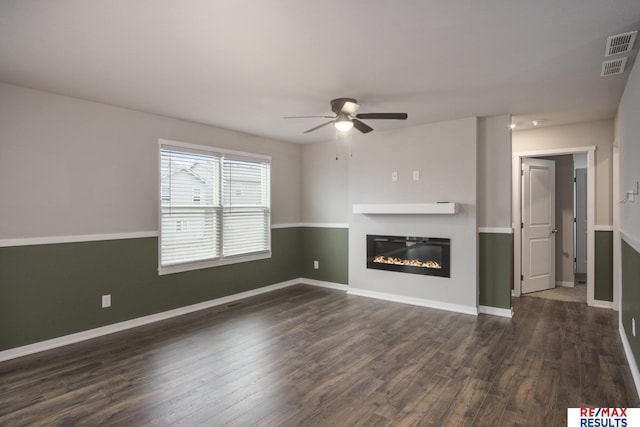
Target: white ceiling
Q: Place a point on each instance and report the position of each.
(244, 64)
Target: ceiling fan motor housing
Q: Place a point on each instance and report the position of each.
(338, 104)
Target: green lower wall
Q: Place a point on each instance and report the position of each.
(630, 298)
(495, 269)
(330, 247)
(47, 291)
(603, 278)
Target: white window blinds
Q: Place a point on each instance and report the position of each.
(245, 206)
(213, 205)
(189, 230)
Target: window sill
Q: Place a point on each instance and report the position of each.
(179, 268)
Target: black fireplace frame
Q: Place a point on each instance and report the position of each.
(389, 241)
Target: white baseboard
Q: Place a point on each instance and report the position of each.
(633, 366)
(602, 304)
(413, 301)
(128, 324)
(323, 284)
(565, 285)
(495, 311)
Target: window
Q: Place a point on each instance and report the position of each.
(223, 196)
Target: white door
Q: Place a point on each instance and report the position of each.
(581, 221)
(538, 225)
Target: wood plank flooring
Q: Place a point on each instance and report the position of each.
(306, 356)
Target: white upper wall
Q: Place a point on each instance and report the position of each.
(325, 182)
(72, 167)
(325, 187)
(599, 133)
(494, 171)
(628, 138)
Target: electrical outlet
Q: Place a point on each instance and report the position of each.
(633, 326)
(316, 265)
(106, 301)
(394, 176)
(416, 175)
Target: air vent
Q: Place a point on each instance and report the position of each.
(613, 67)
(621, 43)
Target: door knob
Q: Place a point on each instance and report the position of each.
(554, 231)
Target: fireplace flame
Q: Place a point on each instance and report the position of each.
(408, 262)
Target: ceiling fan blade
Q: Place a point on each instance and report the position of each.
(319, 126)
(361, 126)
(393, 116)
(308, 117)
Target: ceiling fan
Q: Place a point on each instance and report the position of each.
(346, 117)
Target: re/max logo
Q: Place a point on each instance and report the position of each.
(603, 412)
(603, 417)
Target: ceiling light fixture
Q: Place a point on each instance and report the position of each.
(343, 123)
(512, 125)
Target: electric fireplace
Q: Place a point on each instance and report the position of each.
(416, 255)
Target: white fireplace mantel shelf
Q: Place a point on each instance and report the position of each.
(444, 208)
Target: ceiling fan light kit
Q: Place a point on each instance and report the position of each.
(346, 117)
(343, 123)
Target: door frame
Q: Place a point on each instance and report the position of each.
(617, 273)
(576, 194)
(516, 208)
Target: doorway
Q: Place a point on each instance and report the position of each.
(565, 261)
(569, 232)
(538, 225)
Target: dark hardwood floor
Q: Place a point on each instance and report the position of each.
(306, 356)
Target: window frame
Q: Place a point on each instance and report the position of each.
(221, 259)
